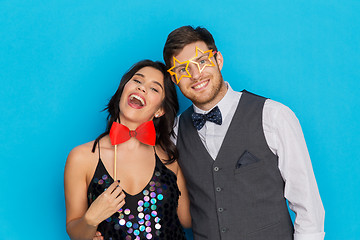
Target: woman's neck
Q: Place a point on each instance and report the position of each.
(132, 125)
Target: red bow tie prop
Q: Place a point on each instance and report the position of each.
(145, 133)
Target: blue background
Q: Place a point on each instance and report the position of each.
(60, 61)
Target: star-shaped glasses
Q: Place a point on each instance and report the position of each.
(201, 59)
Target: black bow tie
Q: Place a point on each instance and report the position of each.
(213, 116)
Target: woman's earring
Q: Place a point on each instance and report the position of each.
(157, 115)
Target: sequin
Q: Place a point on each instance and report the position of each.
(160, 197)
(122, 222)
(157, 203)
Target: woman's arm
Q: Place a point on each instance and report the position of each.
(183, 210)
(81, 221)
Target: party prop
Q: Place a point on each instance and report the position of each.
(119, 133)
(181, 69)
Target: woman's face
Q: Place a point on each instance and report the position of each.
(142, 97)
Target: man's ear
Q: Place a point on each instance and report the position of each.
(219, 59)
(173, 79)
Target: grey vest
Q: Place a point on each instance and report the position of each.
(240, 195)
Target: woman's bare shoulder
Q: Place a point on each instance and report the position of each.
(82, 153)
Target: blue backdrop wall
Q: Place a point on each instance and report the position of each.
(60, 61)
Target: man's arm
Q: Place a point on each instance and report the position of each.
(285, 138)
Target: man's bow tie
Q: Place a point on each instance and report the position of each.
(145, 133)
(213, 116)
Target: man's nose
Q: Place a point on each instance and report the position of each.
(194, 71)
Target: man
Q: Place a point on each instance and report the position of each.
(242, 155)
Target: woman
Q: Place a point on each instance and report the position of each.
(124, 190)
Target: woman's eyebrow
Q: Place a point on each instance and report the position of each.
(154, 81)
(139, 74)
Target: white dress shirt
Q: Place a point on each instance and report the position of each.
(285, 139)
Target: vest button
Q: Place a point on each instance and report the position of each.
(216, 169)
(218, 189)
(220, 209)
(223, 229)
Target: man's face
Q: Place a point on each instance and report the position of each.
(197, 73)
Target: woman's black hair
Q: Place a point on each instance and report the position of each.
(164, 124)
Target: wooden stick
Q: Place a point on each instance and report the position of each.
(115, 163)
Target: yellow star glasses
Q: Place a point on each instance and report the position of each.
(201, 60)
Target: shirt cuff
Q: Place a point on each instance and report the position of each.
(309, 236)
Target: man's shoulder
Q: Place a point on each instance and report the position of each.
(278, 114)
(187, 112)
(275, 106)
(252, 94)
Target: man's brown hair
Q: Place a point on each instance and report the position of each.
(183, 36)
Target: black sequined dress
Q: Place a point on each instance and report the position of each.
(150, 214)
